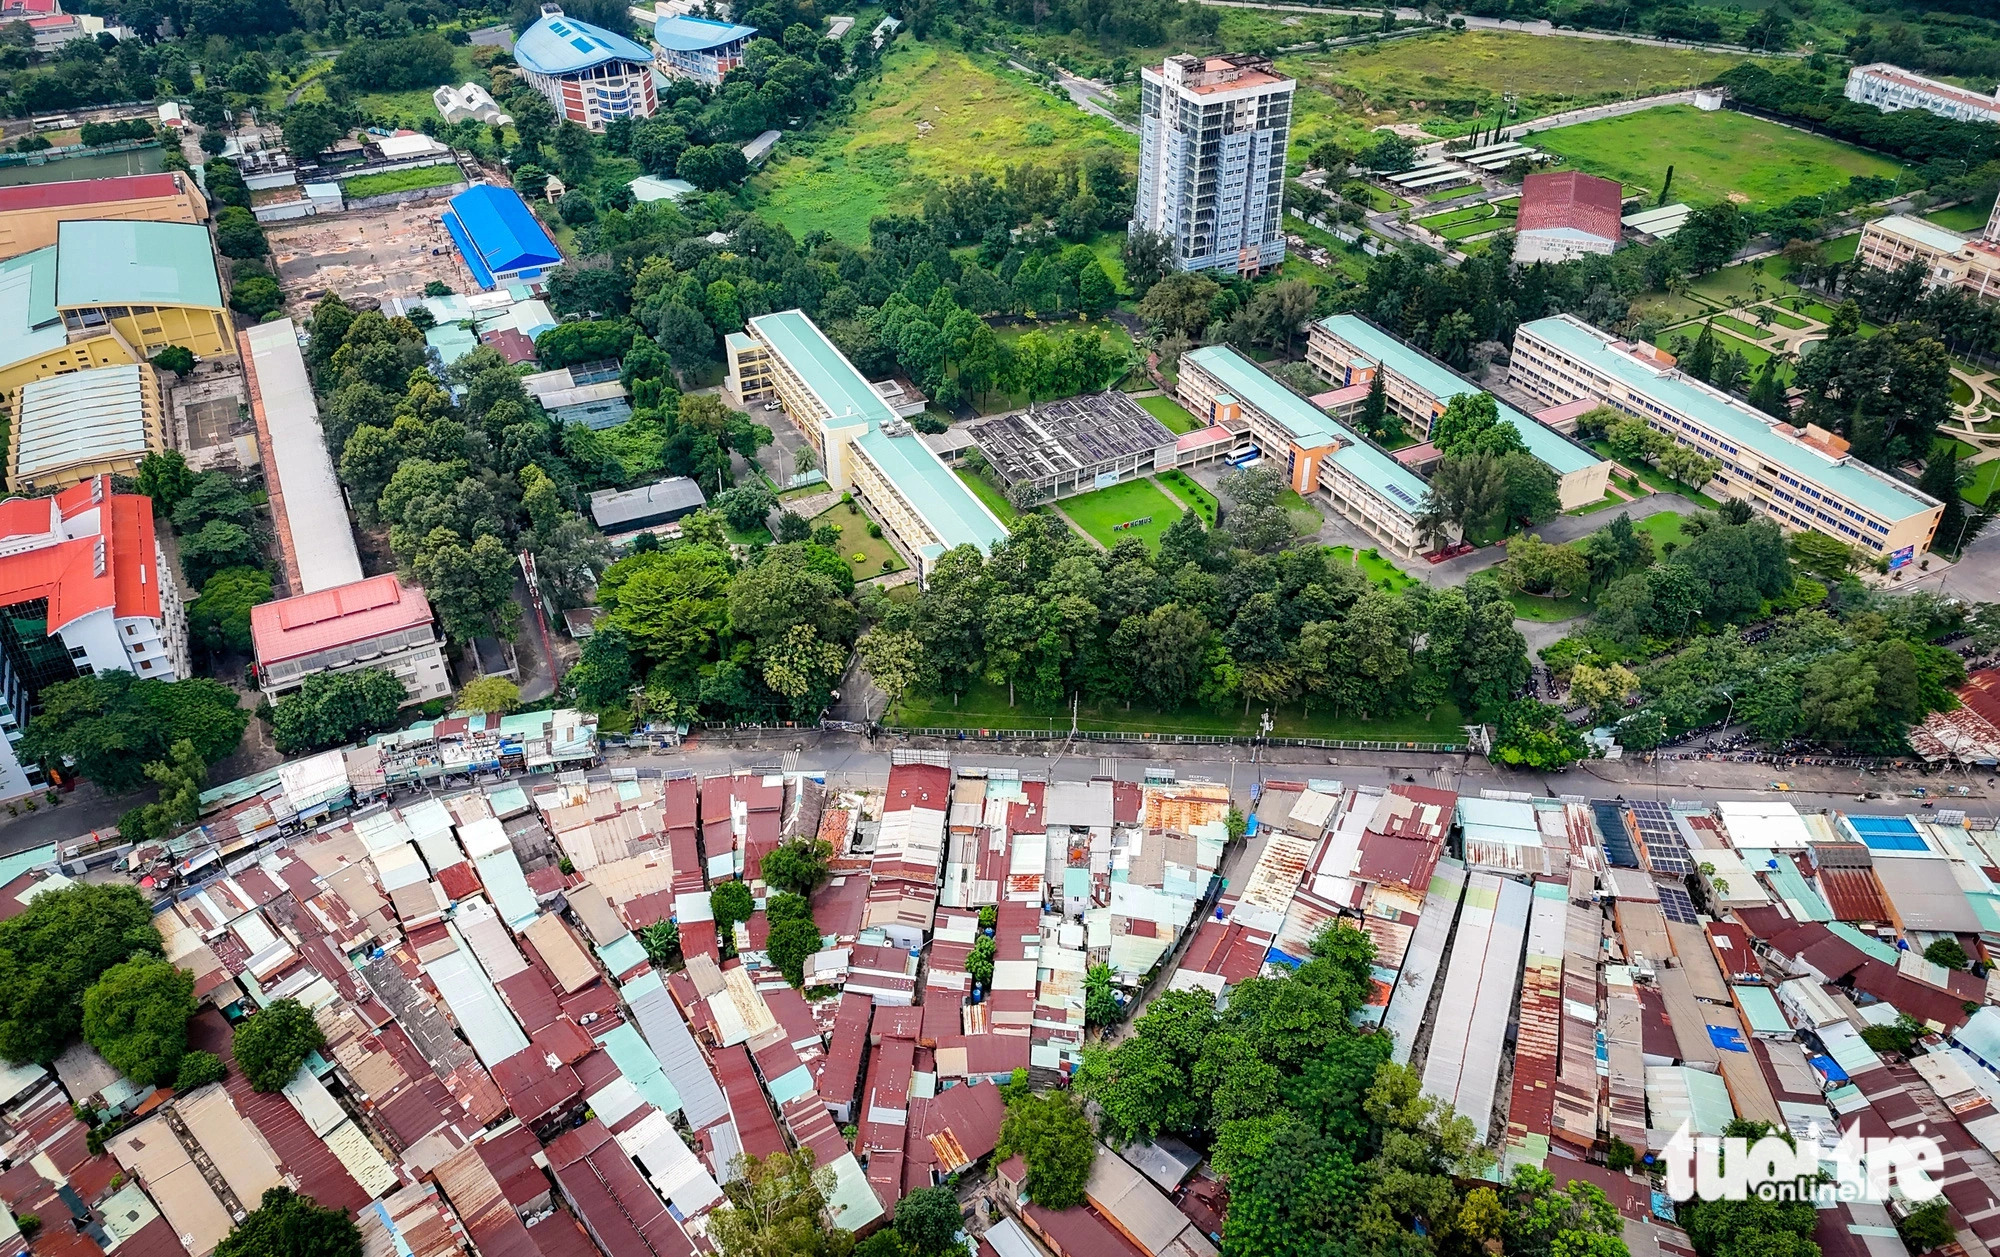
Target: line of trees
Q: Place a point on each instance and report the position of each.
(1237, 617)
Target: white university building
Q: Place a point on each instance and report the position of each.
(1212, 135)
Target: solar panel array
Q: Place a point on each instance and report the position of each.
(1617, 841)
(1666, 850)
(1676, 904)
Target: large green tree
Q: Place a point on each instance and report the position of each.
(1050, 1133)
(271, 1045)
(288, 1224)
(333, 708)
(55, 951)
(136, 1016)
(112, 724)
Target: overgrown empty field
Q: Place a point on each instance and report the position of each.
(935, 113)
(1715, 156)
(1453, 79)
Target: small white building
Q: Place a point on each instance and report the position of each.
(469, 101)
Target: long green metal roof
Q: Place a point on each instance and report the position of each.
(932, 490)
(100, 263)
(1847, 477)
(1381, 473)
(1561, 454)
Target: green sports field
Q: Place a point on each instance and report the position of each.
(1100, 511)
(1715, 156)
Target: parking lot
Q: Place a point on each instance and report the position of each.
(382, 253)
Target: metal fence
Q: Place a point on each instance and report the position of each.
(1168, 739)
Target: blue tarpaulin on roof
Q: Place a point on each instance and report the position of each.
(1728, 1038)
(1829, 1067)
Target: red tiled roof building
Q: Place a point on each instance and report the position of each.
(1566, 214)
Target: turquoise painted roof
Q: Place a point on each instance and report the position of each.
(1761, 1007)
(1866, 942)
(1553, 448)
(930, 487)
(1305, 421)
(559, 44)
(108, 263)
(1790, 885)
(30, 325)
(1847, 477)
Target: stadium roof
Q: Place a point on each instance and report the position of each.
(1551, 447)
(556, 44)
(81, 417)
(1846, 476)
(697, 34)
(1389, 479)
(87, 191)
(30, 324)
(108, 263)
(940, 497)
(498, 234)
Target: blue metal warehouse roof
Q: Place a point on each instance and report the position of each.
(497, 232)
(697, 34)
(563, 45)
(1561, 454)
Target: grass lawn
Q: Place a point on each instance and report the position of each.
(1183, 486)
(1479, 226)
(1610, 499)
(1738, 325)
(1946, 444)
(865, 555)
(1715, 156)
(1653, 479)
(1100, 511)
(1842, 249)
(1783, 319)
(996, 501)
(935, 113)
(1971, 217)
(1985, 480)
(1379, 571)
(1452, 81)
(758, 536)
(1305, 516)
(1546, 610)
(985, 707)
(401, 181)
(1662, 527)
(1169, 412)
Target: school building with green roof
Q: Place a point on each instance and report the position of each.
(1801, 477)
(862, 445)
(1350, 351)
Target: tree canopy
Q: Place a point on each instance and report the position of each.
(136, 1016)
(112, 724)
(273, 1042)
(55, 951)
(286, 1223)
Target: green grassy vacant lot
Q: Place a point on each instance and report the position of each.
(1715, 156)
(985, 707)
(996, 501)
(1379, 571)
(935, 113)
(1100, 511)
(1182, 486)
(1449, 80)
(1547, 610)
(1985, 481)
(1473, 220)
(1970, 217)
(864, 554)
(1170, 412)
(401, 181)
(1663, 527)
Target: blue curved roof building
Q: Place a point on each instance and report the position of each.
(498, 235)
(698, 48)
(589, 74)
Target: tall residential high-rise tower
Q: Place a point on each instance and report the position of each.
(1212, 134)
